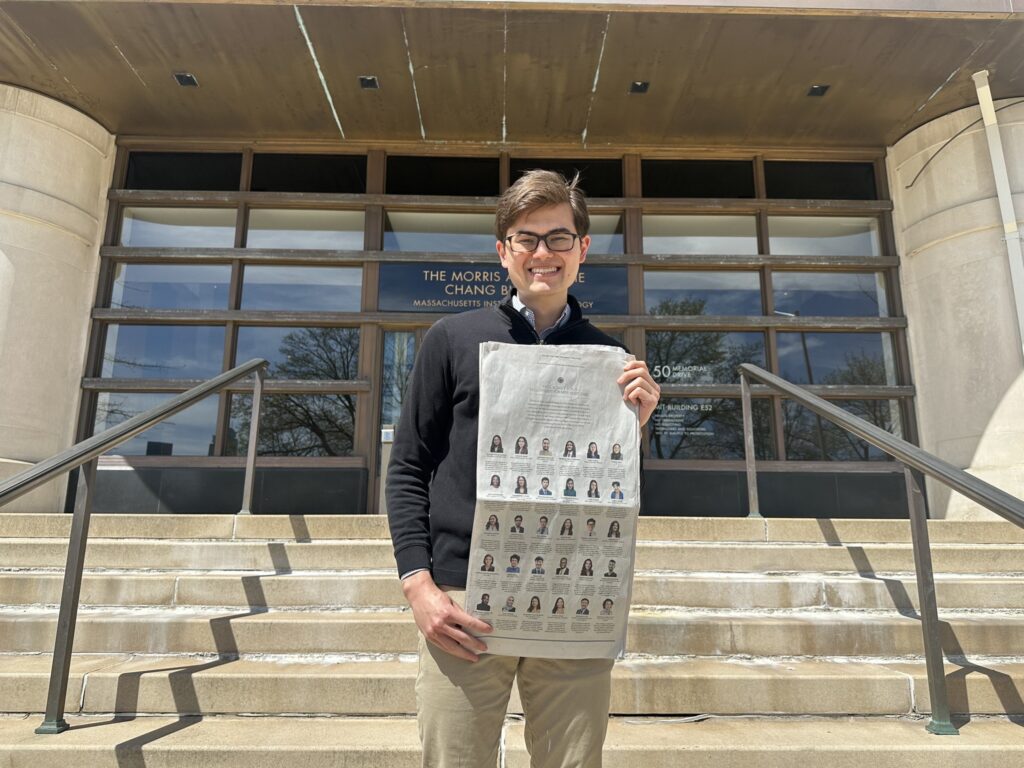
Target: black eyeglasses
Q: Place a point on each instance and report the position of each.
(528, 242)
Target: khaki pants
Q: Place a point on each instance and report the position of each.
(461, 707)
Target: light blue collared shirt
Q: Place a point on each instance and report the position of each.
(531, 317)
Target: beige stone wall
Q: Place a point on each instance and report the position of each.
(55, 169)
(964, 343)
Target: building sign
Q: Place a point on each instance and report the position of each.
(455, 287)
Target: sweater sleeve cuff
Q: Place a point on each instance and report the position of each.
(413, 559)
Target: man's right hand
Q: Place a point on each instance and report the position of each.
(440, 620)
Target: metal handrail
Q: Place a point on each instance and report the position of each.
(916, 464)
(86, 453)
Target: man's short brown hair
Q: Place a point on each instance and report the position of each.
(537, 189)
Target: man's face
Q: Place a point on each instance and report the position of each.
(545, 443)
(584, 603)
(543, 276)
(513, 561)
(485, 599)
(611, 565)
(509, 601)
(543, 522)
(539, 562)
(544, 483)
(590, 525)
(519, 520)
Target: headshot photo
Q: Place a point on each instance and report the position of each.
(488, 564)
(566, 528)
(534, 605)
(592, 451)
(485, 602)
(510, 605)
(606, 607)
(521, 485)
(521, 448)
(584, 609)
(616, 490)
(616, 452)
(563, 567)
(545, 447)
(613, 530)
(513, 564)
(538, 565)
(559, 607)
(495, 481)
(588, 568)
(570, 489)
(542, 526)
(589, 533)
(545, 490)
(517, 524)
(496, 444)
(592, 492)
(611, 574)
(570, 450)
(492, 523)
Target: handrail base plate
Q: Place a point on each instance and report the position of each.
(53, 726)
(940, 728)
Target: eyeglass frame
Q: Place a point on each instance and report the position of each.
(544, 239)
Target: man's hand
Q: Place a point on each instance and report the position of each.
(440, 620)
(639, 388)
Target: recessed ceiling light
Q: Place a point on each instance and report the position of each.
(818, 90)
(186, 79)
(639, 86)
(369, 82)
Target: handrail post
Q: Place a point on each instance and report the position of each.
(748, 447)
(254, 431)
(53, 720)
(940, 723)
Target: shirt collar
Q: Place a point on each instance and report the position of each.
(531, 318)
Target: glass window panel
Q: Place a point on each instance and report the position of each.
(702, 293)
(399, 355)
(606, 234)
(178, 227)
(439, 232)
(442, 175)
(809, 437)
(309, 289)
(702, 357)
(302, 353)
(334, 174)
(187, 433)
(294, 425)
(171, 286)
(598, 178)
(830, 294)
(708, 428)
(163, 351)
(207, 171)
(700, 234)
(698, 178)
(327, 230)
(837, 358)
(812, 180)
(824, 235)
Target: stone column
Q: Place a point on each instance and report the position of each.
(55, 169)
(965, 347)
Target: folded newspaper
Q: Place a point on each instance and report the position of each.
(558, 487)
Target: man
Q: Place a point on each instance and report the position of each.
(545, 447)
(544, 489)
(517, 524)
(591, 522)
(584, 609)
(541, 225)
(538, 566)
(616, 490)
(485, 602)
(611, 571)
(510, 605)
(513, 564)
(542, 526)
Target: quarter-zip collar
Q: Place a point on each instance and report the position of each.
(523, 329)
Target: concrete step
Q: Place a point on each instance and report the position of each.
(653, 632)
(257, 742)
(283, 557)
(325, 527)
(192, 686)
(377, 588)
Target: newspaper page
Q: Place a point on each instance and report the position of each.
(558, 485)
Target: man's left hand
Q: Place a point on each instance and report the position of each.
(639, 388)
